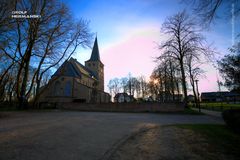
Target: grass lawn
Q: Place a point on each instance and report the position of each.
(221, 138)
(218, 106)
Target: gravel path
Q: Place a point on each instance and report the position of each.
(76, 135)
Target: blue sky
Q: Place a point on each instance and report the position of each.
(132, 28)
(108, 18)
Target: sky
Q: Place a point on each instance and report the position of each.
(129, 32)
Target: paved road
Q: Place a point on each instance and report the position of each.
(69, 135)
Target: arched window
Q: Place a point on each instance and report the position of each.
(68, 88)
(57, 89)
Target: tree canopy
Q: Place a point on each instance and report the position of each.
(229, 67)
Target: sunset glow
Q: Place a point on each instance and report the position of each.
(129, 36)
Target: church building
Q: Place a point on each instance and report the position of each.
(74, 82)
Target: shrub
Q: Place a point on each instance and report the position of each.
(232, 119)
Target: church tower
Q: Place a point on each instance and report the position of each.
(95, 65)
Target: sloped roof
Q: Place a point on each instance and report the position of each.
(119, 94)
(73, 68)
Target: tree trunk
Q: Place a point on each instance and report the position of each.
(172, 81)
(178, 91)
(185, 101)
(23, 103)
(194, 91)
(35, 101)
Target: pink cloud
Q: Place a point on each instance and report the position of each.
(209, 84)
(134, 54)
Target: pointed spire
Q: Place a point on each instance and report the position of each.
(95, 52)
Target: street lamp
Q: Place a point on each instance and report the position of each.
(199, 108)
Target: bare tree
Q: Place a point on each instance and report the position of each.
(143, 86)
(6, 29)
(156, 83)
(124, 83)
(209, 10)
(184, 39)
(132, 85)
(135, 86)
(194, 73)
(110, 87)
(114, 85)
(165, 75)
(129, 84)
(41, 43)
(153, 85)
(6, 22)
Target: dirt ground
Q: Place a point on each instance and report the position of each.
(167, 143)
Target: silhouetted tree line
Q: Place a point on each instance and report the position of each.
(183, 53)
(165, 82)
(180, 56)
(134, 86)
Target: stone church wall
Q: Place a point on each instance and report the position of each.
(69, 89)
